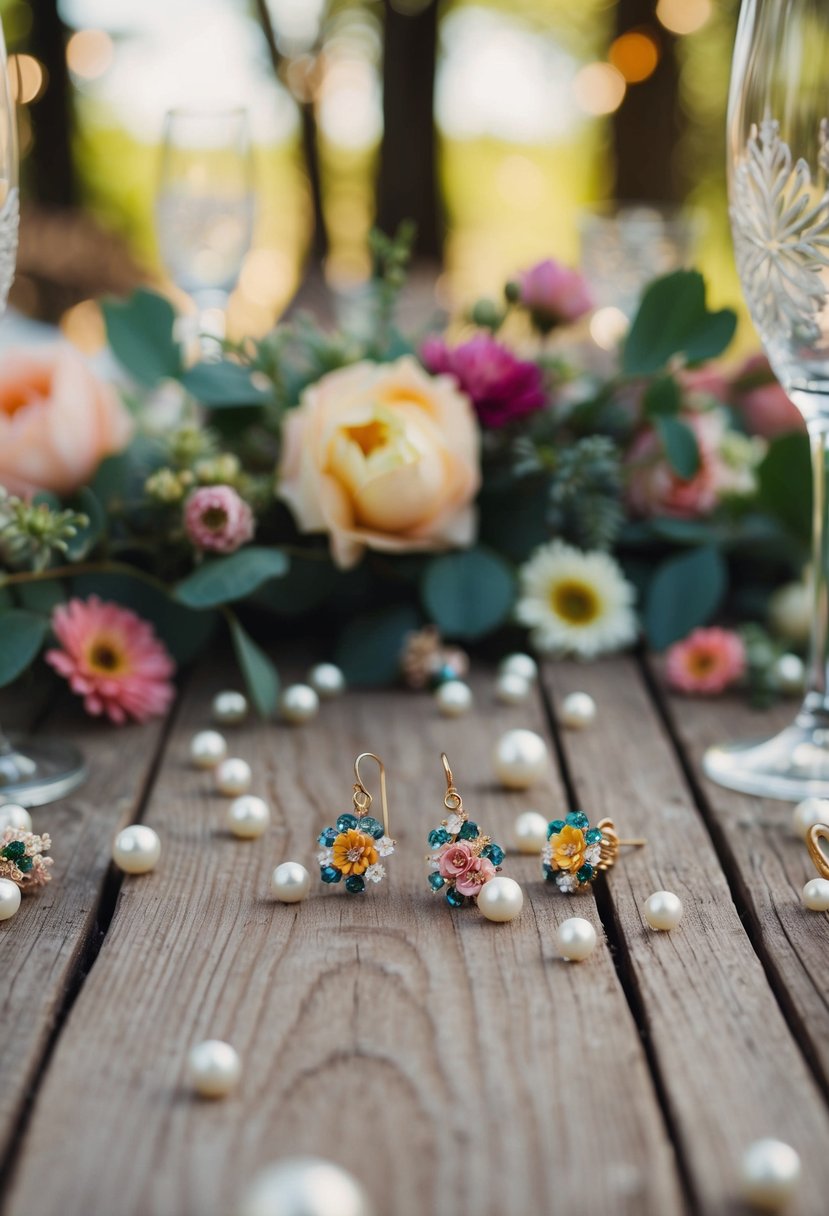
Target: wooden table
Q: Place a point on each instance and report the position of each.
(456, 1066)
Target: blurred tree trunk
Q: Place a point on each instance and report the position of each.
(407, 185)
(649, 124)
(50, 168)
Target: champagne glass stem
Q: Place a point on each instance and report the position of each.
(817, 700)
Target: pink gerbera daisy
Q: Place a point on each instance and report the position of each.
(113, 659)
(707, 661)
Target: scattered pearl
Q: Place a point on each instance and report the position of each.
(769, 1174)
(520, 759)
(815, 895)
(9, 898)
(298, 704)
(248, 817)
(136, 849)
(530, 832)
(501, 899)
(214, 1068)
(454, 698)
(512, 689)
(578, 710)
(207, 749)
(290, 882)
(576, 939)
(523, 665)
(233, 777)
(807, 813)
(327, 680)
(663, 910)
(304, 1186)
(14, 816)
(230, 708)
(789, 674)
(790, 611)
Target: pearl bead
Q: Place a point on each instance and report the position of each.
(815, 895)
(248, 817)
(512, 689)
(578, 710)
(233, 777)
(327, 680)
(214, 1068)
(663, 910)
(9, 898)
(14, 816)
(789, 673)
(298, 704)
(304, 1186)
(290, 882)
(790, 612)
(807, 813)
(520, 759)
(769, 1174)
(522, 665)
(230, 708)
(136, 849)
(530, 832)
(500, 899)
(207, 749)
(454, 698)
(576, 939)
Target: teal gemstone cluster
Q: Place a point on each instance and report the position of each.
(15, 851)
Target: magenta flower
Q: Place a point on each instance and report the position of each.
(553, 294)
(707, 661)
(455, 859)
(217, 519)
(470, 882)
(503, 388)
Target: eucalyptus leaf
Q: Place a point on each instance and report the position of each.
(673, 319)
(260, 675)
(222, 580)
(222, 385)
(468, 594)
(680, 444)
(684, 593)
(785, 483)
(663, 396)
(41, 596)
(85, 539)
(370, 645)
(21, 637)
(140, 332)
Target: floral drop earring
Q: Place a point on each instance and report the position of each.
(463, 859)
(352, 849)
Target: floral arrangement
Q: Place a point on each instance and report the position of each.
(479, 478)
(22, 858)
(352, 850)
(463, 858)
(572, 852)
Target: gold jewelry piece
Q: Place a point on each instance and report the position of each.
(463, 860)
(575, 853)
(352, 849)
(818, 832)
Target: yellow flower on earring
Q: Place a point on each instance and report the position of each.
(568, 848)
(353, 852)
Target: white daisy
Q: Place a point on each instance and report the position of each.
(385, 846)
(567, 882)
(593, 854)
(576, 603)
(324, 856)
(453, 823)
(376, 873)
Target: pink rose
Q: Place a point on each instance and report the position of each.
(57, 421)
(217, 519)
(455, 859)
(503, 387)
(764, 406)
(654, 488)
(471, 881)
(553, 294)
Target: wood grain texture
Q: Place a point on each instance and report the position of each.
(454, 1065)
(729, 1066)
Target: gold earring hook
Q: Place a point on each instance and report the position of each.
(362, 798)
(818, 832)
(452, 799)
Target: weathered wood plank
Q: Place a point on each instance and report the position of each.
(730, 1069)
(455, 1065)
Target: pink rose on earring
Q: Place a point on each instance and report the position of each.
(455, 859)
(478, 873)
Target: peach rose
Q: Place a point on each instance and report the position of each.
(57, 421)
(382, 455)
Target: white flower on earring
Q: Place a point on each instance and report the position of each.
(324, 856)
(454, 823)
(434, 863)
(593, 854)
(384, 847)
(567, 882)
(376, 873)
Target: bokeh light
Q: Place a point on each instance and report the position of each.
(684, 16)
(608, 327)
(89, 53)
(599, 88)
(635, 55)
(28, 78)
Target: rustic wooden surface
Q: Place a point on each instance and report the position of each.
(456, 1066)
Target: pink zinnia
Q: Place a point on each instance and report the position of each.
(503, 388)
(113, 659)
(473, 879)
(218, 519)
(455, 859)
(553, 294)
(707, 661)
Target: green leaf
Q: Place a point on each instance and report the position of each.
(121, 478)
(514, 521)
(370, 645)
(41, 596)
(140, 332)
(85, 540)
(306, 585)
(684, 592)
(468, 594)
(222, 385)
(663, 397)
(680, 444)
(183, 631)
(785, 483)
(261, 677)
(673, 319)
(221, 580)
(21, 637)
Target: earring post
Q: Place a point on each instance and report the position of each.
(638, 843)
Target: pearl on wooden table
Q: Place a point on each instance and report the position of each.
(327, 680)
(769, 1174)
(663, 910)
(248, 817)
(9, 898)
(233, 777)
(520, 759)
(815, 895)
(14, 816)
(578, 710)
(575, 939)
(454, 698)
(290, 882)
(512, 689)
(207, 749)
(229, 707)
(214, 1068)
(298, 704)
(807, 813)
(304, 1186)
(523, 665)
(501, 899)
(789, 673)
(530, 832)
(136, 849)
